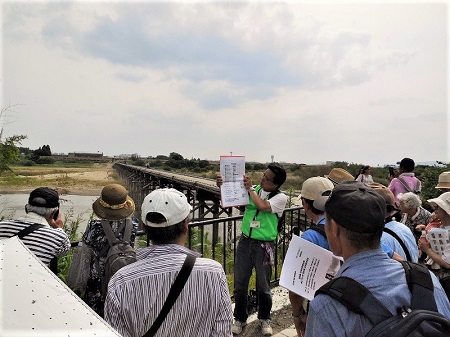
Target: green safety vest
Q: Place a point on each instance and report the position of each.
(268, 222)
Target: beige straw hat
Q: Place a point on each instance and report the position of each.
(444, 180)
(338, 175)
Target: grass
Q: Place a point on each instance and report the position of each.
(57, 176)
(71, 224)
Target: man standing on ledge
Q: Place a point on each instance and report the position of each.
(256, 244)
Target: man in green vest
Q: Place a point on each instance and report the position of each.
(256, 244)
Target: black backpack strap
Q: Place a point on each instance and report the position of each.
(27, 230)
(53, 264)
(174, 292)
(400, 241)
(318, 229)
(113, 237)
(421, 286)
(128, 230)
(109, 232)
(360, 300)
(356, 298)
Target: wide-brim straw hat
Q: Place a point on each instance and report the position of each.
(114, 203)
(338, 175)
(444, 180)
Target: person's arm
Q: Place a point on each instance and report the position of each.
(425, 247)
(219, 180)
(397, 257)
(298, 313)
(113, 313)
(64, 242)
(261, 204)
(55, 223)
(224, 315)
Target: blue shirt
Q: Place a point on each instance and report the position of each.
(384, 277)
(321, 240)
(315, 237)
(405, 235)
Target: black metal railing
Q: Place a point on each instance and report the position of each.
(217, 238)
(223, 248)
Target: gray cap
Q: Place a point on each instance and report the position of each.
(356, 207)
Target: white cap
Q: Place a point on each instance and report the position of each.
(169, 202)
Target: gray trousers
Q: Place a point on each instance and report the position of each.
(251, 254)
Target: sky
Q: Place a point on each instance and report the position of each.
(296, 81)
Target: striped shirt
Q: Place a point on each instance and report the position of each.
(45, 242)
(137, 292)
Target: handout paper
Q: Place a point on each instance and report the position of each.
(439, 238)
(307, 267)
(232, 191)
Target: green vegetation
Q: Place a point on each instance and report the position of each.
(9, 151)
(176, 162)
(71, 224)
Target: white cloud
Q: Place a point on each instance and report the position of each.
(301, 81)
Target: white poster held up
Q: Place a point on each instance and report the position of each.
(307, 267)
(232, 191)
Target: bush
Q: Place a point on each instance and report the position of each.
(45, 160)
(27, 163)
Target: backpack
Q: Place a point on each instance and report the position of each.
(420, 319)
(119, 252)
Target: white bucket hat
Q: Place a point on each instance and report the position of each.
(443, 201)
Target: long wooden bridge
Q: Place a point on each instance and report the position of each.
(202, 193)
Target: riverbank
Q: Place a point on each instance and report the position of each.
(81, 180)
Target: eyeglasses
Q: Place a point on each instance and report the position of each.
(264, 177)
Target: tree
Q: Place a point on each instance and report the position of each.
(43, 151)
(175, 156)
(9, 151)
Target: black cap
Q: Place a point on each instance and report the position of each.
(44, 197)
(356, 207)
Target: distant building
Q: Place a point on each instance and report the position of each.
(85, 154)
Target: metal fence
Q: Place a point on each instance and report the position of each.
(218, 238)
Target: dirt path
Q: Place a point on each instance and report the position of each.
(79, 180)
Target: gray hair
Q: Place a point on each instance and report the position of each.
(42, 211)
(410, 200)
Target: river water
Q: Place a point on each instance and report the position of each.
(72, 206)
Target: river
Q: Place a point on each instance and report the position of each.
(72, 206)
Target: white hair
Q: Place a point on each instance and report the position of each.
(42, 211)
(410, 200)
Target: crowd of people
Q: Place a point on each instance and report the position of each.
(369, 225)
